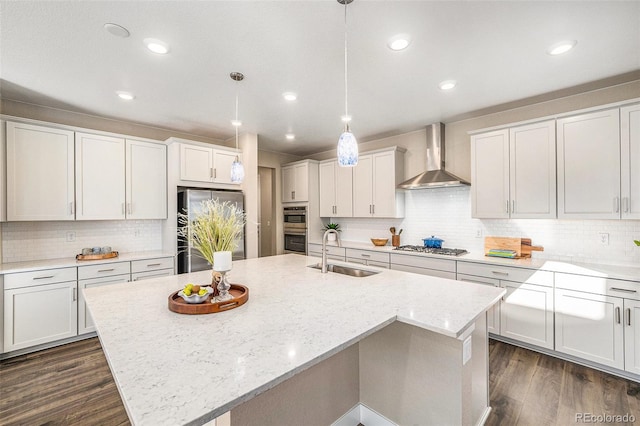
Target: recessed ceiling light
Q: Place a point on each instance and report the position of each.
(290, 136)
(156, 46)
(447, 84)
(561, 47)
(116, 30)
(399, 42)
(236, 123)
(289, 96)
(127, 96)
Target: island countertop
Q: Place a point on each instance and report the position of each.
(188, 369)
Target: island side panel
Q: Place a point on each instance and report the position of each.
(415, 376)
(319, 395)
(480, 374)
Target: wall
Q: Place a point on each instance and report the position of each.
(274, 160)
(248, 143)
(24, 241)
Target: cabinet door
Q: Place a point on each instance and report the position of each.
(40, 173)
(532, 170)
(630, 155)
(146, 180)
(589, 166)
(328, 188)
(301, 188)
(39, 314)
(85, 322)
(490, 175)
(344, 191)
(196, 163)
(493, 314)
(3, 186)
(222, 161)
(100, 175)
(363, 187)
(589, 326)
(527, 314)
(384, 185)
(288, 183)
(632, 336)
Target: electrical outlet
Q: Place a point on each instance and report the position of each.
(71, 236)
(137, 233)
(604, 238)
(479, 233)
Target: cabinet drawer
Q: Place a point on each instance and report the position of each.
(367, 255)
(424, 262)
(520, 275)
(151, 264)
(598, 285)
(103, 270)
(424, 271)
(45, 276)
(151, 274)
(331, 250)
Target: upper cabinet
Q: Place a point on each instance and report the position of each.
(40, 173)
(3, 174)
(295, 181)
(374, 184)
(336, 185)
(146, 180)
(589, 166)
(630, 167)
(204, 164)
(514, 172)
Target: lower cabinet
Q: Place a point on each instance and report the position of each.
(85, 323)
(36, 313)
(435, 267)
(368, 257)
(333, 252)
(151, 268)
(632, 336)
(493, 314)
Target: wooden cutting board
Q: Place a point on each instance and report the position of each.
(522, 246)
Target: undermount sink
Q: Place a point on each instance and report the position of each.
(346, 270)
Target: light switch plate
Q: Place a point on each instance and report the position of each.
(604, 238)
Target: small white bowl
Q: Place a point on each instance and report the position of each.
(195, 297)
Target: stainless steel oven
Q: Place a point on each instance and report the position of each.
(295, 230)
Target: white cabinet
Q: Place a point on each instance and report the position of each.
(336, 190)
(333, 252)
(39, 307)
(514, 172)
(632, 336)
(368, 257)
(630, 155)
(99, 177)
(374, 184)
(3, 174)
(435, 267)
(146, 180)
(204, 164)
(40, 173)
(589, 166)
(152, 268)
(493, 314)
(295, 181)
(526, 311)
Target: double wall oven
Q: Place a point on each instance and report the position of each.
(295, 230)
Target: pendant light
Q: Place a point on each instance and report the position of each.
(347, 143)
(237, 169)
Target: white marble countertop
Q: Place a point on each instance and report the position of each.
(36, 265)
(188, 369)
(621, 272)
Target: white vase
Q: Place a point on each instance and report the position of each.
(331, 237)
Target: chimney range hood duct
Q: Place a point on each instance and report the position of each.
(435, 176)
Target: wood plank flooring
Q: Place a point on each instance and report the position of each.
(72, 385)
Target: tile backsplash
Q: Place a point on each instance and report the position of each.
(446, 213)
(24, 241)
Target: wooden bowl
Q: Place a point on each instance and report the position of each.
(379, 241)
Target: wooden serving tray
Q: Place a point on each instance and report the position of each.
(97, 256)
(178, 305)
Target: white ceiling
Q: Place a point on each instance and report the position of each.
(57, 53)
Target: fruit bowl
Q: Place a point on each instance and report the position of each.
(379, 241)
(194, 297)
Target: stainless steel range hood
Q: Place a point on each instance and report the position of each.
(435, 176)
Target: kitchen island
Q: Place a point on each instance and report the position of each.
(306, 348)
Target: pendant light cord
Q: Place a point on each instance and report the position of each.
(236, 124)
(346, 67)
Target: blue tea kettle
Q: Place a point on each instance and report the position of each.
(433, 242)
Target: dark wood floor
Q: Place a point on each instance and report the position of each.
(72, 385)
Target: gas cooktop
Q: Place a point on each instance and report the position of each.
(443, 251)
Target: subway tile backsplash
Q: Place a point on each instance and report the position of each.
(24, 241)
(446, 213)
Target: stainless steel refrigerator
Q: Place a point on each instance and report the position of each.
(189, 259)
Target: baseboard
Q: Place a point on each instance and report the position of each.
(360, 413)
(485, 415)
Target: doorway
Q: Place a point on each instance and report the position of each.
(266, 212)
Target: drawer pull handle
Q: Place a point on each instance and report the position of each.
(618, 315)
(499, 273)
(105, 270)
(153, 264)
(627, 314)
(74, 295)
(623, 290)
(44, 278)
(365, 255)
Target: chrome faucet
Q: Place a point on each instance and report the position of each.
(324, 247)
